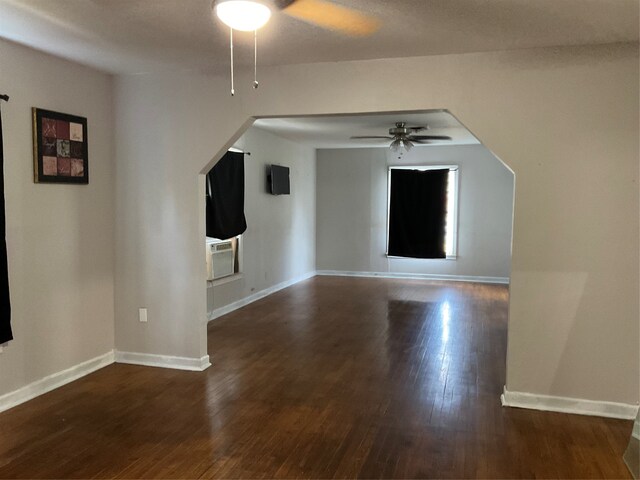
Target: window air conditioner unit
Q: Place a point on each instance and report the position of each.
(220, 259)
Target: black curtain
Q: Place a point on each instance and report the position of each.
(225, 197)
(417, 213)
(5, 303)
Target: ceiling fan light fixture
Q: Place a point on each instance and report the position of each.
(399, 144)
(243, 15)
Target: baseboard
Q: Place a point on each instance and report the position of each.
(417, 276)
(163, 361)
(56, 380)
(569, 405)
(636, 429)
(219, 312)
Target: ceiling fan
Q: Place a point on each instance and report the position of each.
(250, 15)
(405, 137)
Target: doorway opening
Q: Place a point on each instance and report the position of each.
(335, 220)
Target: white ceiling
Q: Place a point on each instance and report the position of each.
(134, 36)
(334, 131)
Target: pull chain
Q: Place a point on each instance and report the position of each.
(233, 92)
(255, 59)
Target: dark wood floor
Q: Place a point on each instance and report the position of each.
(334, 377)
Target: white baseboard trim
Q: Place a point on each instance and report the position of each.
(219, 312)
(417, 276)
(51, 382)
(568, 405)
(163, 361)
(636, 429)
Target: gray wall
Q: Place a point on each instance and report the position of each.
(564, 119)
(573, 324)
(279, 243)
(352, 211)
(59, 237)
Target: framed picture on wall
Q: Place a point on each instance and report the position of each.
(60, 151)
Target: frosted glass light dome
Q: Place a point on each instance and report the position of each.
(244, 15)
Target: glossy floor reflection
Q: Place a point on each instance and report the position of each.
(331, 378)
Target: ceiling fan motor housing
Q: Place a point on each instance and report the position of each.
(401, 130)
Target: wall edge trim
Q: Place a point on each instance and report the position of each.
(416, 276)
(54, 381)
(163, 361)
(219, 312)
(579, 406)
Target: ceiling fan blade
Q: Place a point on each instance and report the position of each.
(333, 17)
(370, 137)
(428, 137)
(418, 128)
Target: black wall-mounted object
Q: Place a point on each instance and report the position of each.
(278, 180)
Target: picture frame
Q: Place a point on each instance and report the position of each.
(60, 148)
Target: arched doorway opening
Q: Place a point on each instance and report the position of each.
(339, 204)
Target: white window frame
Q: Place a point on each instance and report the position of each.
(452, 201)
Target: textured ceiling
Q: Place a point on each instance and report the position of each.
(134, 36)
(333, 131)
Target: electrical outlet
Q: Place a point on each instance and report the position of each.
(142, 315)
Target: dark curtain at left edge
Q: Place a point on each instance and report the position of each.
(5, 303)
(225, 197)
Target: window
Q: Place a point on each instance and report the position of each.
(422, 211)
(225, 220)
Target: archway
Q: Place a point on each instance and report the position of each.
(487, 188)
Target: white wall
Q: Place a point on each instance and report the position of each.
(279, 243)
(564, 119)
(352, 208)
(59, 237)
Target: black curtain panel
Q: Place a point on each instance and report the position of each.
(225, 197)
(5, 303)
(417, 213)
